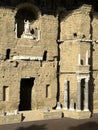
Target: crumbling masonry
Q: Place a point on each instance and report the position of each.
(48, 59)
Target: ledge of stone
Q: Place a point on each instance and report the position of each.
(52, 115)
(10, 119)
(76, 114)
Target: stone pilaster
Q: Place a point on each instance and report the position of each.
(86, 96)
(86, 57)
(66, 94)
(79, 94)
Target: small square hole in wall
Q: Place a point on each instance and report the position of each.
(75, 34)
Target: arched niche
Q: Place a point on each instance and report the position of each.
(25, 12)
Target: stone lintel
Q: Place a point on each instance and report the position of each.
(32, 58)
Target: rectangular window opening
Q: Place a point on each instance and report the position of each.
(5, 93)
(48, 91)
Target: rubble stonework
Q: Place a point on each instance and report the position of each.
(48, 59)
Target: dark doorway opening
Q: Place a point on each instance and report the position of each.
(26, 85)
(82, 93)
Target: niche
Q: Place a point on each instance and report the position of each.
(7, 54)
(5, 93)
(27, 12)
(81, 61)
(48, 91)
(45, 56)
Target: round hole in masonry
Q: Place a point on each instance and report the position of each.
(83, 36)
(75, 34)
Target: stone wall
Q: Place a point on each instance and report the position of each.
(14, 68)
(74, 54)
(10, 119)
(76, 24)
(47, 60)
(79, 25)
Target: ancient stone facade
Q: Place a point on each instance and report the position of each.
(48, 57)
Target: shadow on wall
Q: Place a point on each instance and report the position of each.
(86, 126)
(33, 127)
(91, 83)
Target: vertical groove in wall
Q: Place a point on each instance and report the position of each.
(58, 67)
(91, 83)
(91, 28)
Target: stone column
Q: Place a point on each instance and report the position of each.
(79, 95)
(66, 94)
(86, 96)
(72, 104)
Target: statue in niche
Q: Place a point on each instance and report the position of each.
(26, 27)
(27, 32)
(30, 33)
